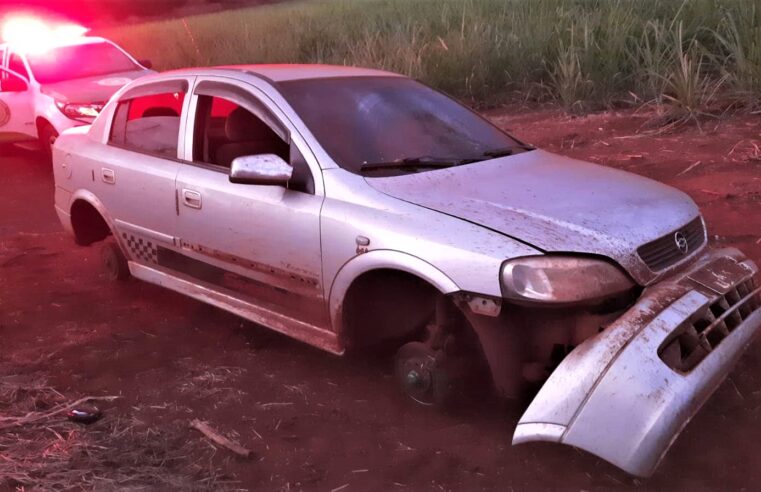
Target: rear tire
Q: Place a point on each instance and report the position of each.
(48, 136)
(114, 262)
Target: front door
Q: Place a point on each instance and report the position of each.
(16, 108)
(259, 243)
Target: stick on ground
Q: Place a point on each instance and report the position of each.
(218, 438)
(690, 168)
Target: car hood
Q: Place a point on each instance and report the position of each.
(553, 203)
(98, 89)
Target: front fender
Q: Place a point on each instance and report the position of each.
(377, 260)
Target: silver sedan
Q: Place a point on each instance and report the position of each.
(351, 208)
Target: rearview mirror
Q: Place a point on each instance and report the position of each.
(263, 169)
(10, 82)
(146, 63)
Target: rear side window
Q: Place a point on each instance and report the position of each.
(149, 124)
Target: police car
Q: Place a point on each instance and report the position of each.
(52, 79)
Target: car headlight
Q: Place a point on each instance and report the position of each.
(79, 111)
(562, 280)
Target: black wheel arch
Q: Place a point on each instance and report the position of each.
(88, 224)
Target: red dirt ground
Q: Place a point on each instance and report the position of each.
(318, 422)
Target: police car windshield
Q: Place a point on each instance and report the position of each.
(79, 61)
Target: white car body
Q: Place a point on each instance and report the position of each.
(315, 263)
(23, 114)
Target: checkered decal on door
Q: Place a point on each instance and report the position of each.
(141, 249)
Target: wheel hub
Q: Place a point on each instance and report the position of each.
(415, 372)
(414, 379)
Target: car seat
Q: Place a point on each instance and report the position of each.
(248, 135)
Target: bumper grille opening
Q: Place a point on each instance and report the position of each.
(664, 251)
(698, 336)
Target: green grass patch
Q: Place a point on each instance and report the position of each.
(585, 54)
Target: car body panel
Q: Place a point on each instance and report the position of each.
(353, 209)
(554, 203)
(278, 236)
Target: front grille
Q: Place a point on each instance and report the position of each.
(696, 338)
(664, 252)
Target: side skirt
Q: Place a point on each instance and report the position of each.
(299, 330)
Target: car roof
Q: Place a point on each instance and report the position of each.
(286, 72)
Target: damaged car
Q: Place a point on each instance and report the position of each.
(348, 208)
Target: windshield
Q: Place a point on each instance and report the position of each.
(79, 61)
(392, 124)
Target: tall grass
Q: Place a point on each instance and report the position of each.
(582, 53)
(688, 84)
(739, 34)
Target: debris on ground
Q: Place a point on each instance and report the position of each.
(690, 167)
(217, 438)
(85, 414)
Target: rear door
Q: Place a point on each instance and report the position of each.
(135, 176)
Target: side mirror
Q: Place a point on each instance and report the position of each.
(12, 83)
(146, 63)
(263, 169)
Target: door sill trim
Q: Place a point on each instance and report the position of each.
(299, 330)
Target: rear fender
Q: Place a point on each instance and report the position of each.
(93, 200)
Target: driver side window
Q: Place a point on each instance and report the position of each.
(224, 131)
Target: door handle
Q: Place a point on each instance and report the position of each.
(191, 198)
(108, 176)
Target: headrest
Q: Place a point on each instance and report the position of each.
(242, 126)
(159, 111)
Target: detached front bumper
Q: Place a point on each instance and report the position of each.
(625, 394)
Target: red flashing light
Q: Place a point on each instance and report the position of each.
(34, 36)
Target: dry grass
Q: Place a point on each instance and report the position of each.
(41, 450)
(205, 381)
